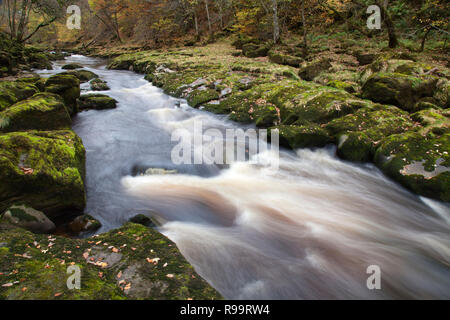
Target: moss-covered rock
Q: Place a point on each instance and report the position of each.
(420, 163)
(96, 102)
(43, 111)
(99, 85)
(26, 217)
(201, 96)
(253, 50)
(398, 89)
(350, 87)
(284, 59)
(43, 169)
(305, 136)
(133, 262)
(82, 75)
(14, 91)
(72, 66)
(311, 70)
(68, 87)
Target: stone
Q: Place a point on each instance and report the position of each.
(28, 218)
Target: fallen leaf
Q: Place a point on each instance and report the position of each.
(170, 276)
(58, 294)
(7, 285)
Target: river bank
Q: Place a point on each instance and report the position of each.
(392, 111)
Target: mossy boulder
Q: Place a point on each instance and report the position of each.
(68, 87)
(39, 60)
(305, 136)
(133, 262)
(99, 85)
(43, 169)
(27, 218)
(311, 70)
(14, 91)
(253, 50)
(82, 75)
(43, 111)
(201, 96)
(96, 102)
(420, 163)
(350, 87)
(72, 66)
(398, 89)
(358, 134)
(284, 59)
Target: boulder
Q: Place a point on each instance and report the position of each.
(305, 136)
(82, 75)
(43, 111)
(419, 163)
(68, 87)
(311, 70)
(398, 89)
(252, 50)
(96, 101)
(84, 224)
(284, 59)
(28, 218)
(43, 169)
(14, 91)
(142, 220)
(99, 85)
(72, 66)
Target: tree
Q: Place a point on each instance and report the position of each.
(18, 16)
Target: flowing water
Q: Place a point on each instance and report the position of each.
(308, 230)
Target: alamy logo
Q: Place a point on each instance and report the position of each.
(74, 21)
(374, 281)
(212, 146)
(74, 280)
(374, 20)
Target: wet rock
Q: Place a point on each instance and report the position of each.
(72, 66)
(142, 220)
(68, 87)
(84, 224)
(43, 169)
(26, 217)
(99, 85)
(96, 102)
(43, 111)
(312, 69)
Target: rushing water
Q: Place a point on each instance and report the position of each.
(309, 230)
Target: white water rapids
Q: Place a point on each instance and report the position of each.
(309, 230)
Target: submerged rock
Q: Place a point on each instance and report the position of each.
(43, 111)
(96, 101)
(99, 85)
(43, 169)
(26, 217)
(133, 262)
(68, 87)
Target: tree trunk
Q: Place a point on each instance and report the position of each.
(422, 46)
(208, 17)
(276, 23)
(305, 42)
(393, 41)
(197, 31)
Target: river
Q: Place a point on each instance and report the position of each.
(309, 230)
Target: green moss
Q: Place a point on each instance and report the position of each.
(306, 136)
(43, 111)
(68, 87)
(96, 101)
(44, 170)
(82, 75)
(14, 91)
(132, 274)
